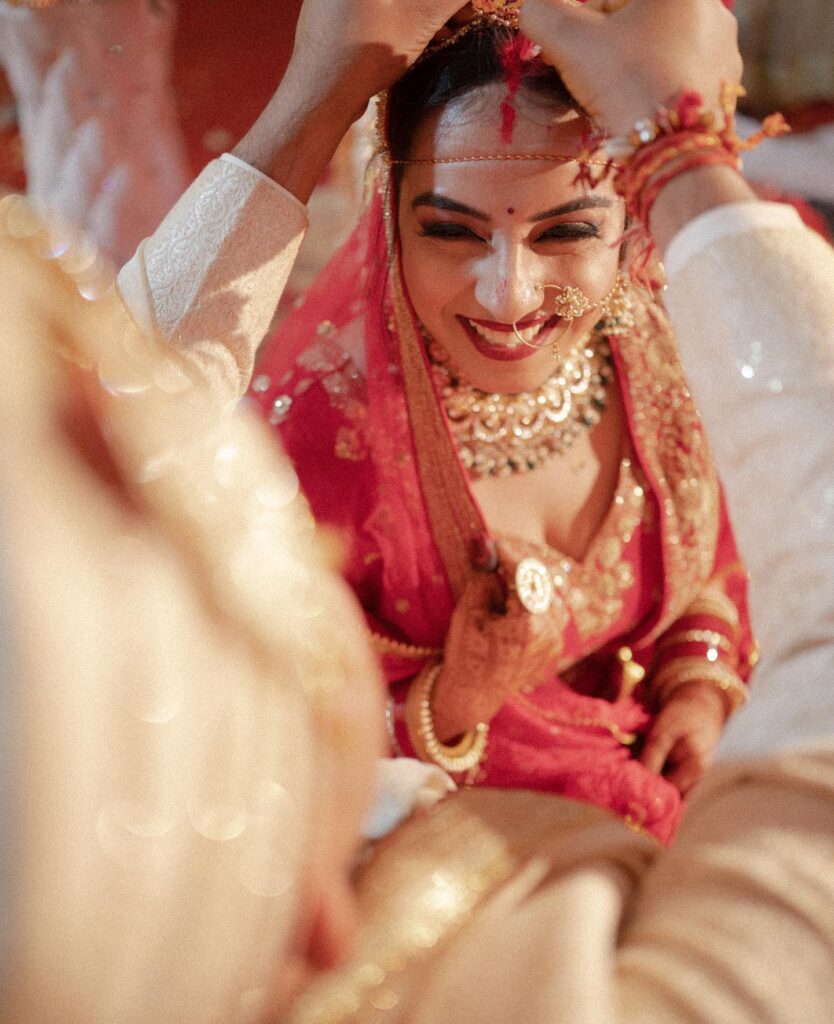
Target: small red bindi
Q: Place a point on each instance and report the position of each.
(511, 210)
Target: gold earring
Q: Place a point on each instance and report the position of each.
(617, 309)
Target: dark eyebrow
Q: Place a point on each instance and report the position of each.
(439, 202)
(582, 203)
(444, 203)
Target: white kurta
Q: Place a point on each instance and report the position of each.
(751, 295)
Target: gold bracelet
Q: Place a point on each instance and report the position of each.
(710, 637)
(464, 755)
(679, 671)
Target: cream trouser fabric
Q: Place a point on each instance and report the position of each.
(519, 908)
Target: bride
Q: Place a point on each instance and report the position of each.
(495, 422)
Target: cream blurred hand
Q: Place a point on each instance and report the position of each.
(190, 632)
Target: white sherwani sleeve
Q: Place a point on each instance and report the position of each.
(209, 279)
(735, 923)
(751, 295)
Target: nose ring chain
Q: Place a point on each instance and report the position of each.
(572, 302)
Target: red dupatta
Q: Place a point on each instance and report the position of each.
(372, 485)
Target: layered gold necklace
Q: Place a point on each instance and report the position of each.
(499, 434)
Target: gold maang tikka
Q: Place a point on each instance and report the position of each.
(487, 12)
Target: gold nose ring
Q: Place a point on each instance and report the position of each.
(571, 303)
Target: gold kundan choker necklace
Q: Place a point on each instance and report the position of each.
(498, 434)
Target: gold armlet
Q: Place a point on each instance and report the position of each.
(464, 755)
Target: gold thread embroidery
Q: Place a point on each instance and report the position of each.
(679, 671)
(579, 721)
(455, 519)
(385, 645)
(596, 588)
(673, 450)
(592, 592)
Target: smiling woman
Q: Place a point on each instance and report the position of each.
(497, 424)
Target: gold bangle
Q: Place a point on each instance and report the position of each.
(710, 637)
(464, 755)
(714, 602)
(678, 672)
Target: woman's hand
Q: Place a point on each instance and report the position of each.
(685, 733)
(494, 647)
(621, 66)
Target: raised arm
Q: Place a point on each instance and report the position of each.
(750, 295)
(211, 276)
(623, 66)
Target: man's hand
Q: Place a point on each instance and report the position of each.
(622, 66)
(684, 735)
(345, 52)
(366, 44)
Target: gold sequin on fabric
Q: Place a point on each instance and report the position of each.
(419, 888)
(436, 871)
(592, 592)
(334, 368)
(350, 445)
